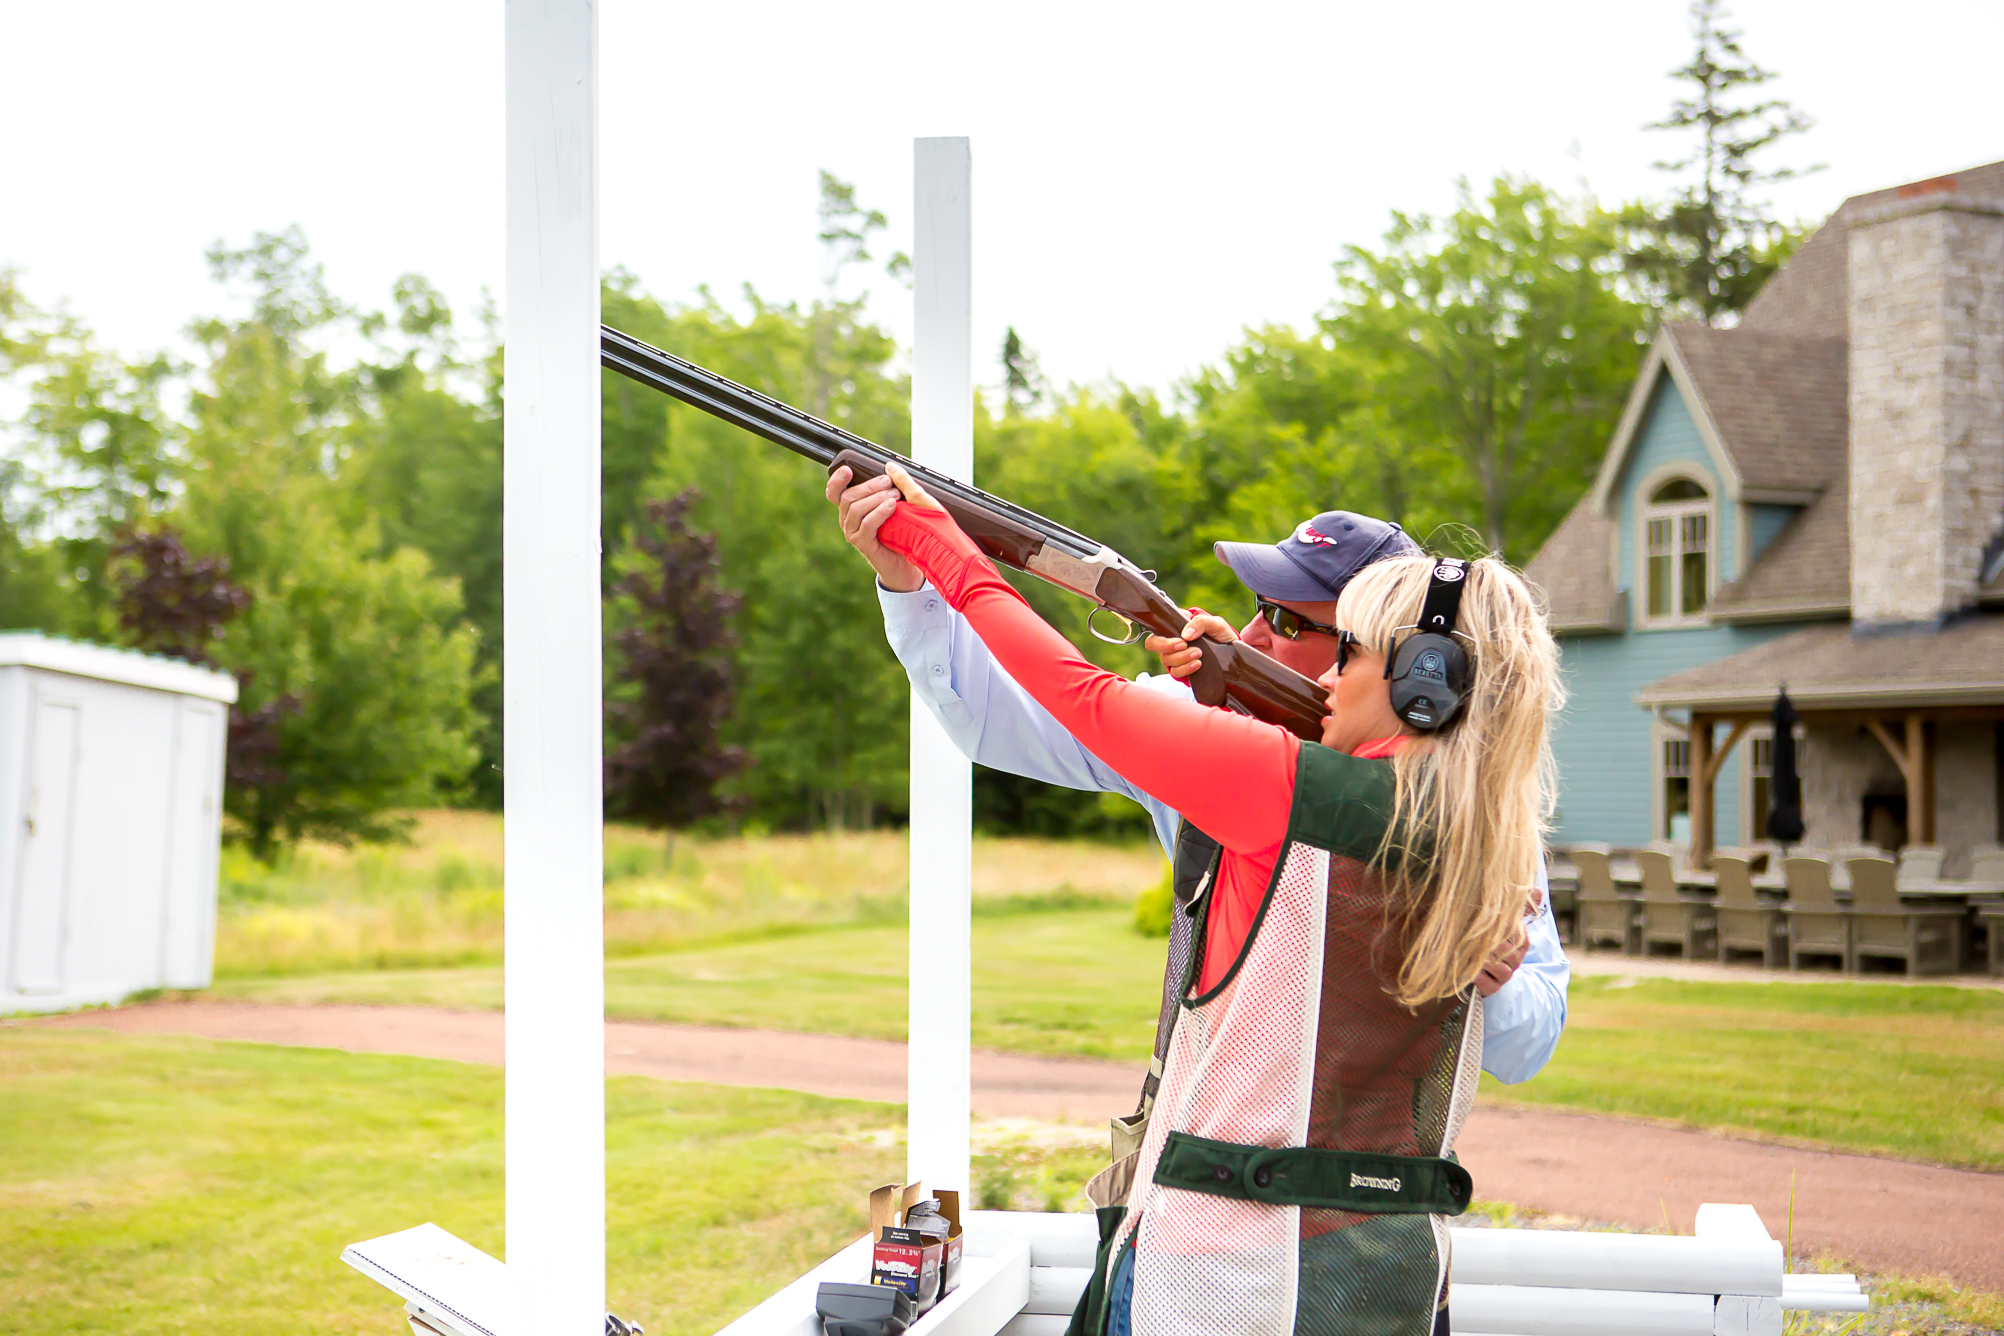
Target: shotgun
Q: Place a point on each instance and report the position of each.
(1231, 674)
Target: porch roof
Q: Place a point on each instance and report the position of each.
(1831, 667)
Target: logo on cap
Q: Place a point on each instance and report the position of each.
(1307, 533)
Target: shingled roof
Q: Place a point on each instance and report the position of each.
(1812, 293)
(1779, 403)
(1804, 572)
(1771, 398)
(1832, 668)
(1574, 570)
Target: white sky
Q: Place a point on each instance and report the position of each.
(1149, 179)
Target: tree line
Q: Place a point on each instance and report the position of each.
(312, 503)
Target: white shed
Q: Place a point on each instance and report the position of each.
(111, 803)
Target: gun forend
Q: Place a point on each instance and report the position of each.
(1231, 674)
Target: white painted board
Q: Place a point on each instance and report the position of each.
(940, 1023)
(1652, 1262)
(1527, 1310)
(438, 1273)
(554, 982)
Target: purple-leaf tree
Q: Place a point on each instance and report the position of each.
(675, 664)
(178, 605)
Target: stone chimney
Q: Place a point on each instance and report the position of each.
(1927, 402)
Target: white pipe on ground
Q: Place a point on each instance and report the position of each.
(554, 987)
(940, 1022)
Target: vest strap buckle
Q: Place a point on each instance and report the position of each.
(1337, 1180)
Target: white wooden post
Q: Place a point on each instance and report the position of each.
(555, 982)
(941, 1017)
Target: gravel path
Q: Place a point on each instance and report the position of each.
(1882, 1215)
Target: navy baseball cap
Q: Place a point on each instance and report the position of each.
(1315, 561)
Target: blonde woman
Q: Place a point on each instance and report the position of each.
(1297, 1166)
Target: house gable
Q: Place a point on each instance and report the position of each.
(1669, 444)
(1664, 365)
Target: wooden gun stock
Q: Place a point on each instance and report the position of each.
(1231, 674)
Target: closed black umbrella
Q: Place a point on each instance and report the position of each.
(1784, 786)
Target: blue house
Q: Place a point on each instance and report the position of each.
(1813, 498)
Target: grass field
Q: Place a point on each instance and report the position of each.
(1908, 1071)
(158, 1185)
(1078, 982)
(1884, 1068)
(807, 933)
(154, 1185)
(436, 901)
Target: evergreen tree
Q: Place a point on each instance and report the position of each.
(1708, 250)
(1022, 380)
(675, 654)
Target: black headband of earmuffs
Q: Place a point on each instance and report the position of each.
(1429, 670)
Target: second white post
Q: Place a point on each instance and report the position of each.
(942, 809)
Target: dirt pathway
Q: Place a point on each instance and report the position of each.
(1878, 1214)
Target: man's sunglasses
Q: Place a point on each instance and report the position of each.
(1286, 622)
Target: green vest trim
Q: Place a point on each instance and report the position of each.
(1340, 804)
(1337, 1180)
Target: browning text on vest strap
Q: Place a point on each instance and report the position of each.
(1367, 1183)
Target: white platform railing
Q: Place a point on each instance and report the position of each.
(1726, 1280)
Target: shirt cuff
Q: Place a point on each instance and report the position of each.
(923, 609)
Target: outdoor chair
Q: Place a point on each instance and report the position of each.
(1672, 917)
(1746, 922)
(1562, 880)
(1919, 863)
(1928, 939)
(1992, 919)
(1816, 926)
(1606, 917)
(1986, 863)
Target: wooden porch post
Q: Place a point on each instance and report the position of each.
(1701, 789)
(1714, 762)
(1920, 783)
(1915, 758)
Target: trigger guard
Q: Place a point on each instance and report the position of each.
(1134, 633)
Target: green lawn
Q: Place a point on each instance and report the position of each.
(1076, 982)
(1885, 1068)
(1916, 1072)
(168, 1185)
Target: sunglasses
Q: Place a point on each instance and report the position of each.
(1287, 623)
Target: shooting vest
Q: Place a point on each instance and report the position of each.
(1298, 1157)
(1192, 868)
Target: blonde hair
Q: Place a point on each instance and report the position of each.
(1474, 801)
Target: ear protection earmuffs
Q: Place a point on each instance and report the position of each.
(1429, 670)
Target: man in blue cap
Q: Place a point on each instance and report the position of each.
(1295, 584)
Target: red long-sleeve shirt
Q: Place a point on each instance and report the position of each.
(1230, 774)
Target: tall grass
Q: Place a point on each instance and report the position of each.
(436, 901)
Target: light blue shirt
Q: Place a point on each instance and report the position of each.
(996, 723)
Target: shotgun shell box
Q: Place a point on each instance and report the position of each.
(921, 1264)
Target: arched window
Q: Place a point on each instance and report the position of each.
(1676, 551)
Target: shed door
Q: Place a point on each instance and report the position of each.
(188, 923)
(41, 911)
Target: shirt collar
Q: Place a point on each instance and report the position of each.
(1378, 749)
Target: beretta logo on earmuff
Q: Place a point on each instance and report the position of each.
(1430, 665)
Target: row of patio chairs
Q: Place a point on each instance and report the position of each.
(1876, 924)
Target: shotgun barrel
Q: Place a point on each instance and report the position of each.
(1231, 675)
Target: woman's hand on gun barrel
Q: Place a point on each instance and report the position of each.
(862, 510)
